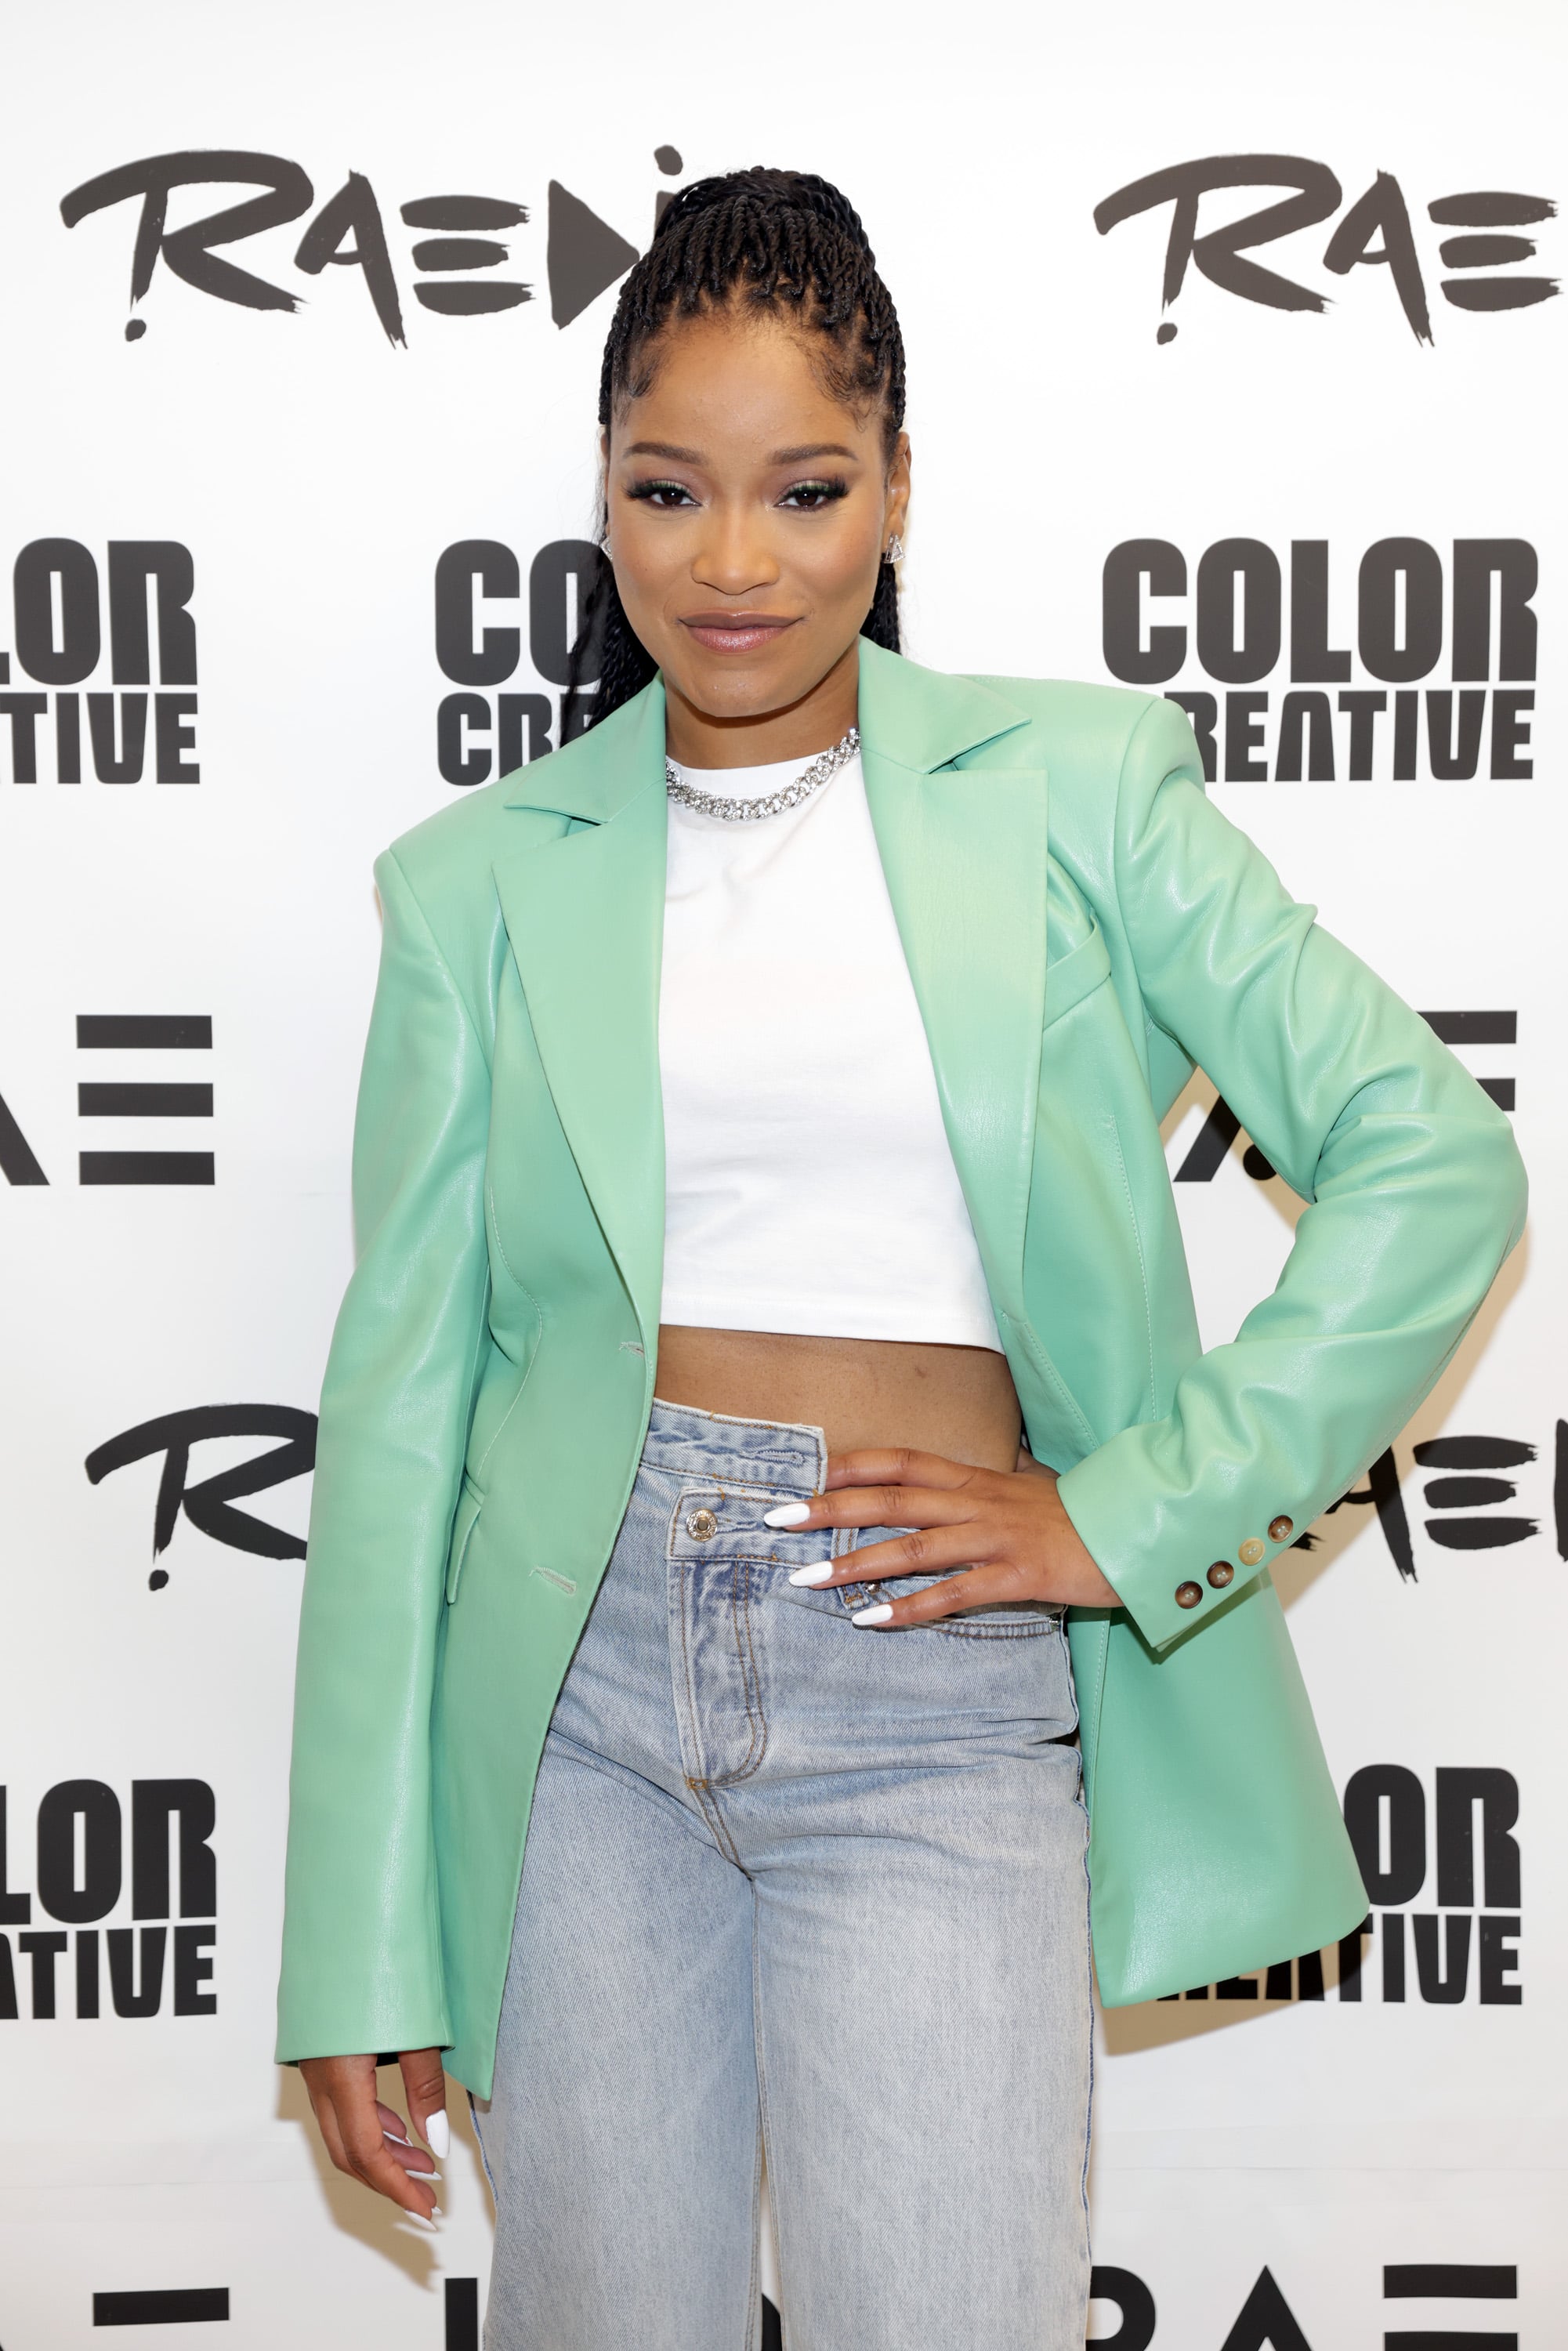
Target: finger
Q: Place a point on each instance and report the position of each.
(395, 2135)
(377, 2166)
(392, 2123)
(875, 1506)
(424, 2083)
(896, 1466)
(981, 1587)
(921, 1553)
(331, 2136)
(328, 2079)
(370, 2158)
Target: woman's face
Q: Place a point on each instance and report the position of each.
(749, 511)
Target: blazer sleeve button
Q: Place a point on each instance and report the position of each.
(1221, 1574)
(1187, 1595)
(1279, 1528)
(1251, 1550)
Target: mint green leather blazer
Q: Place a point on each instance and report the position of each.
(1082, 926)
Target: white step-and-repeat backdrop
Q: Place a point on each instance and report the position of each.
(1235, 364)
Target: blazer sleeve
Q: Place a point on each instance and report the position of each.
(1415, 1187)
(361, 1949)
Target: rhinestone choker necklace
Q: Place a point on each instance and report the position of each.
(788, 795)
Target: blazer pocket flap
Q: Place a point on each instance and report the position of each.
(1076, 975)
(469, 1503)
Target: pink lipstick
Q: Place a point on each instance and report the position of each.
(734, 633)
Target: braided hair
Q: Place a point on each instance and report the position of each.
(782, 240)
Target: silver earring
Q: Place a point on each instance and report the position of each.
(894, 549)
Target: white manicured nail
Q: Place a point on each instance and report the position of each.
(878, 1614)
(424, 2220)
(425, 2174)
(788, 1514)
(818, 1574)
(438, 2134)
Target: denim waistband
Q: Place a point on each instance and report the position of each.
(685, 1439)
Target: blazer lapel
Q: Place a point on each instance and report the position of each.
(584, 914)
(964, 849)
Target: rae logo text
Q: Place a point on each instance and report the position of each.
(449, 269)
(1375, 231)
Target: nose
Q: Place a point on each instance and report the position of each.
(735, 558)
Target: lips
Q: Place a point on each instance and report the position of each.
(734, 633)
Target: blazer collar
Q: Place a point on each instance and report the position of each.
(917, 719)
(923, 719)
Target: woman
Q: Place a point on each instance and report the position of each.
(772, 1316)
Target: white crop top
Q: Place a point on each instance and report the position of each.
(809, 1184)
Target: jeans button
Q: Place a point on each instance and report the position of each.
(702, 1526)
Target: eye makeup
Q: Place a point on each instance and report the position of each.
(806, 498)
(820, 494)
(654, 492)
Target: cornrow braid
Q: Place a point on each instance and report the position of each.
(782, 240)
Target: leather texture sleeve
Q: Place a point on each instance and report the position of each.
(1415, 1187)
(362, 1960)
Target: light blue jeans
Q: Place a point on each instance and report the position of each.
(797, 1884)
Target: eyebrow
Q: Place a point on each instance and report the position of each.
(668, 450)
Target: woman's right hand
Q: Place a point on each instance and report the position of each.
(367, 2139)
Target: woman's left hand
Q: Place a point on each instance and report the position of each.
(1006, 1529)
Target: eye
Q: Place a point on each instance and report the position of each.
(661, 494)
(810, 498)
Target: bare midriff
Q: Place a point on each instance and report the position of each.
(957, 1401)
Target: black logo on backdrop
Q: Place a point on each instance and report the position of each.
(1264, 2322)
(127, 1032)
(1469, 1499)
(180, 2305)
(1469, 1942)
(1375, 231)
(209, 1502)
(478, 736)
(448, 267)
(161, 1964)
(60, 607)
(1461, 1854)
(1240, 633)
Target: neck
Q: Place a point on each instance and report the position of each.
(698, 739)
